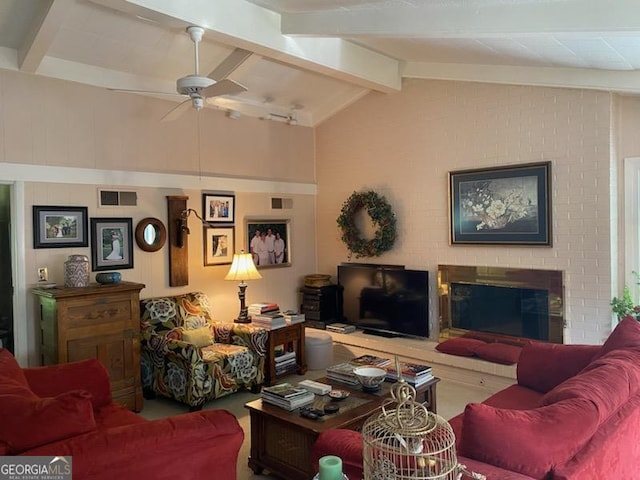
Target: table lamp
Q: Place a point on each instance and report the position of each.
(242, 268)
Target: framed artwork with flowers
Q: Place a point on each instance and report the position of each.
(508, 205)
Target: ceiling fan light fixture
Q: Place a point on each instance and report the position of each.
(197, 102)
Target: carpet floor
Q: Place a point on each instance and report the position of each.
(452, 398)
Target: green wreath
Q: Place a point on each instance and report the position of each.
(382, 217)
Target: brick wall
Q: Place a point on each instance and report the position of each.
(402, 145)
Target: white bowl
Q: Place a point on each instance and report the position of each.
(370, 377)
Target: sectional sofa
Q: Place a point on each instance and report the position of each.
(574, 414)
(66, 411)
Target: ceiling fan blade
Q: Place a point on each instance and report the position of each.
(144, 92)
(176, 112)
(229, 64)
(223, 87)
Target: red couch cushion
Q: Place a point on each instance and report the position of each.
(27, 422)
(12, 379)
(515, 397)
(499, 353)
(463, 347)
(608, 382)
(89, 375)
(530, 442)
(625, 335)
(542, 366)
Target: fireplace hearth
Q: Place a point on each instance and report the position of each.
(516, 302)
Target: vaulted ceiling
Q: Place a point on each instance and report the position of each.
(304, 60)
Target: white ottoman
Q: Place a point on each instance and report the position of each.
(318, 347)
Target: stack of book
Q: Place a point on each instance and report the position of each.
(341, 327)
(292, 317)
(412, 373)
(264, 307)
(269, 320)
(284, 361)
(343, 372)
(371, 360)
(285, 395)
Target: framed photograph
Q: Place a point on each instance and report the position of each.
(218, 245)
(57, 227)
(218, 208)
(508, 205)
(269, 242)
(111, 244)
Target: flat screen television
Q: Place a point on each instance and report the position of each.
(385, 299)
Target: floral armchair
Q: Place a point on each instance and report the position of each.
(187, 356)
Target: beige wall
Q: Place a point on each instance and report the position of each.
(116, 140)
(403, 145)
(53, 122)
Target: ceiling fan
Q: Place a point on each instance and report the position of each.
(197, 87)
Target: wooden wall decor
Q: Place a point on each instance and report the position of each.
(178, 256)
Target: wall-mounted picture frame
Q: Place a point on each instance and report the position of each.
(509, 205)
(111, 244)
(59, 227)
(219, 245)
(269, 242)
(218, 208)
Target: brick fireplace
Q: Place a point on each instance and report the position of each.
(517, 302)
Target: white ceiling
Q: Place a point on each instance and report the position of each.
(314, 57)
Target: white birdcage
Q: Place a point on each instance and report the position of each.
(409, 442)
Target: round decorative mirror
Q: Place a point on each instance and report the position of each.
(150, 234)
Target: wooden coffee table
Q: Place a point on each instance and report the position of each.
(281, 441)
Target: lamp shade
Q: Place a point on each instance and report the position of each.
(242, 268)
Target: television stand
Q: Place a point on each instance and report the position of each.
(381, 334)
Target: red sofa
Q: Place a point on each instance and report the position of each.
(574, 414)
(66, 410)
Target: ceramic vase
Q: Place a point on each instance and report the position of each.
(76, 271)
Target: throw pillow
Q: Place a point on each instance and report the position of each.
(200, 337)
(12, 378)
(608, 382)
(499, 353)
(463, 347)
(26, 423)
(88, 375)
(531, 442)
(542, 366)
(625, 335)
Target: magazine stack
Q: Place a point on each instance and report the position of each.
(285, 395)
(343, 372)
(269, 320)
(341, 328)
(412, 373)
(264, 307)
(285, 361)
(292, 317)
(372, 361)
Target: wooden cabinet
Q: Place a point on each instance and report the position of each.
(291, 338)
(98, 321)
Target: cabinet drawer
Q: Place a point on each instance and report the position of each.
(88, 312)
(285, 336)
